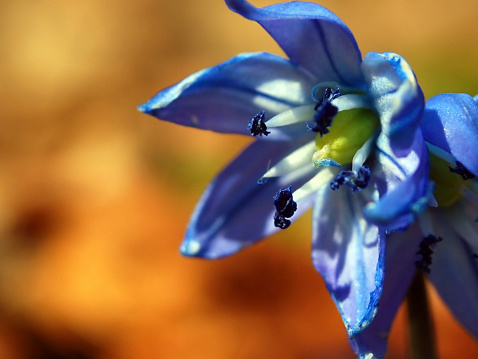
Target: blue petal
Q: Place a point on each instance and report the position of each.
(454, 273)
(397, 98)
(402, 183)
(450, 122)
(348, 252)
(399, 271)
(225, 97)
(235, 211)
(311, 36)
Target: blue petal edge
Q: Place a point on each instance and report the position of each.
(399, 270)
(225, 97)
(450, 122)
(397, 96)
(312, 36)
(349, 254)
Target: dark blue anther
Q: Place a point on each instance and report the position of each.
(426, 252)
(257, 126)
(324, 112)
(462, 171)
(285, 208)
(357, 181)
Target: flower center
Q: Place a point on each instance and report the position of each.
(348, 133)
(448, 185)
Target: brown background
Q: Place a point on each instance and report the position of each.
(95, 197)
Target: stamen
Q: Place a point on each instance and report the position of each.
(257, 126)
(324, 176)
(325, 112)
(462, 171)
(357, 181)
(297, 159)
(285, 208)
(291, 117)
(426, 252)
(351, 101)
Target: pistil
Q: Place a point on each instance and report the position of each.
(351, 129)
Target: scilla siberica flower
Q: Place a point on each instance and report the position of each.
(448, 251)
(332, 130)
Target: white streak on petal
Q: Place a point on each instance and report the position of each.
(271, 104)
(293, 91)
(298, 114)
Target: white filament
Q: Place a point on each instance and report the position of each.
(298, 114)
(299, 158)
(350, 102)
(326, 175)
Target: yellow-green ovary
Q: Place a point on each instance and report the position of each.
(448, 185)
(349, 131)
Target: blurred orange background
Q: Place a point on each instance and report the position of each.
(95, 196)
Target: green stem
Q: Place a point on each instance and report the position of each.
(421, 330)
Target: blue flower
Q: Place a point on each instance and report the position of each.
(444, 241)
(332, 130)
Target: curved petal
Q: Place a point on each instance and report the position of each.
(311, 36)
(235, 211)
(454, 273)
(402, 183)
(399, 270)
(450, 122)
(348, 252)
(396, 96)
(225, 97)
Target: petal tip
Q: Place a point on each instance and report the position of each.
(368, 318)
(368, 356)
(144, 108)
(241, 7)
(190, 248)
